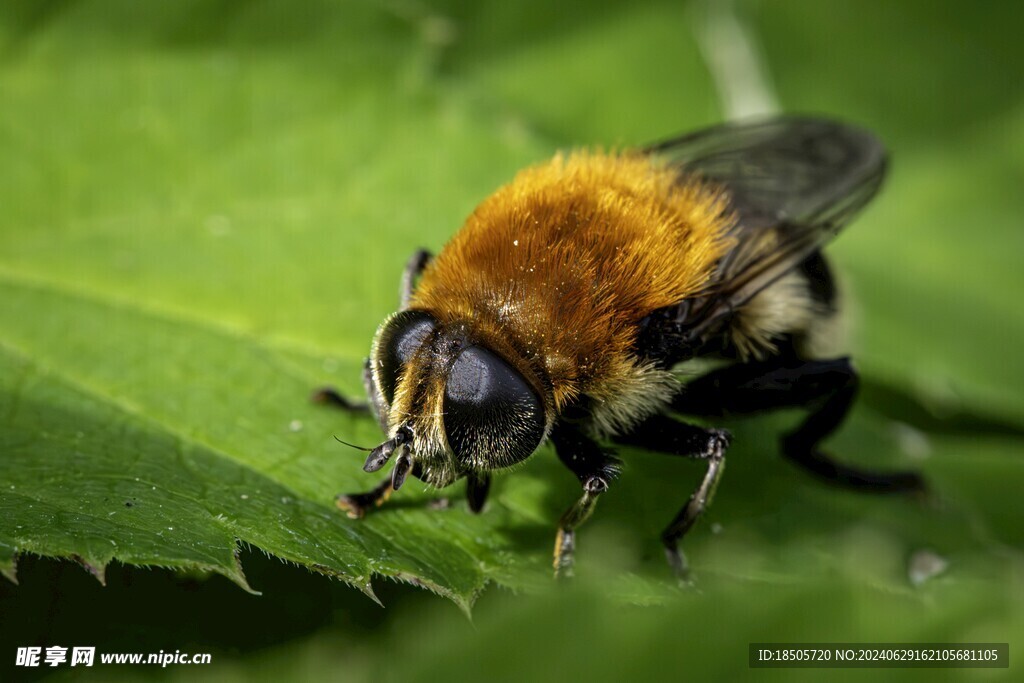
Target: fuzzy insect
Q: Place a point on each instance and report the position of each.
(564, 307)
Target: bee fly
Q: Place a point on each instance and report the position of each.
(564, 306)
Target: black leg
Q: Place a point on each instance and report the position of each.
(374, 404)
(826, 387)
(413, 269)
(595, 467)
(356, 505)
(662, 433)
(478, 485)
(329, 396)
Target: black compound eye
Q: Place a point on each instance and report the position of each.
(492, 417)
(400, 337)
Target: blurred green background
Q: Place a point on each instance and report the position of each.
(204, 211)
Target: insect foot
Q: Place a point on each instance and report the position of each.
(719, 441)
(356, 505)
(565, 550)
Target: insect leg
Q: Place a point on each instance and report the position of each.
(356, 505)
(826, 387)
(373, 404)
(664, 434)
(329, 396)
(595, 467)
(413, 269)
(478, 485)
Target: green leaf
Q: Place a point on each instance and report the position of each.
(206, 208)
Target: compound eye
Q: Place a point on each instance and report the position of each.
(400, 337)
(492, 417)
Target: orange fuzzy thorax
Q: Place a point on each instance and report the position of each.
(560, 265)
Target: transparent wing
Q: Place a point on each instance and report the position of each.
(793, 182)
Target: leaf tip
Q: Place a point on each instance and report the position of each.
(94, 567)
(367, 589)
(237, 575)
(464, 603)
(9, 569)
